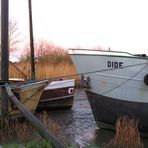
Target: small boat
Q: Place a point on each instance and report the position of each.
(57, 95)
(28, 94)
(116, 84)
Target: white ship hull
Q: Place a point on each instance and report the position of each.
(117, 85)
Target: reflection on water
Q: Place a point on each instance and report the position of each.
(103, 136)
(78, 124)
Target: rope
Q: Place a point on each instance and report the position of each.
(73, 75)
(66, 76)
(89, 72)
(27, 99)
(124, 81)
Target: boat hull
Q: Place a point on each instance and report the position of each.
(28, 94)
(116, 85)
(57, 95)
(107, 111)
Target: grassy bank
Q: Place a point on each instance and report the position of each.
(33, 144)
(127, 135)
(20, 131)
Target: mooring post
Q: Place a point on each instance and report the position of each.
(4, 54)
(31, 40)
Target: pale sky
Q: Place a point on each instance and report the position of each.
(118, 24)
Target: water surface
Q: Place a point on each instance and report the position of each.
(78, 124)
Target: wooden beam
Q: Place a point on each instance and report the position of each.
(31, 40)
(4, 54)
(37, 124)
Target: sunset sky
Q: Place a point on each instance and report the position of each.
(118, 24)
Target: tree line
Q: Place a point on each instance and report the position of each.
(44, 51)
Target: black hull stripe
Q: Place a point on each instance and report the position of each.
(107, 110)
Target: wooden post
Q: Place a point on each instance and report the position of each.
(37, 124)
(4, 53)
(31, 41)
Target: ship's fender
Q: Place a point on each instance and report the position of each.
(85, 81)
(146, 79)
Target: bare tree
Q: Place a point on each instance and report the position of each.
(13, 36)
(45, 52)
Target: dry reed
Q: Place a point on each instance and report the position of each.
(51, 62)
(51, 71)
(127, 134)
(43, 70)
(22, 132)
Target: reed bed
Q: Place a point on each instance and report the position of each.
(44, 70)
(16, 131)
(50, 71)
(127, 135)
(51, 62)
